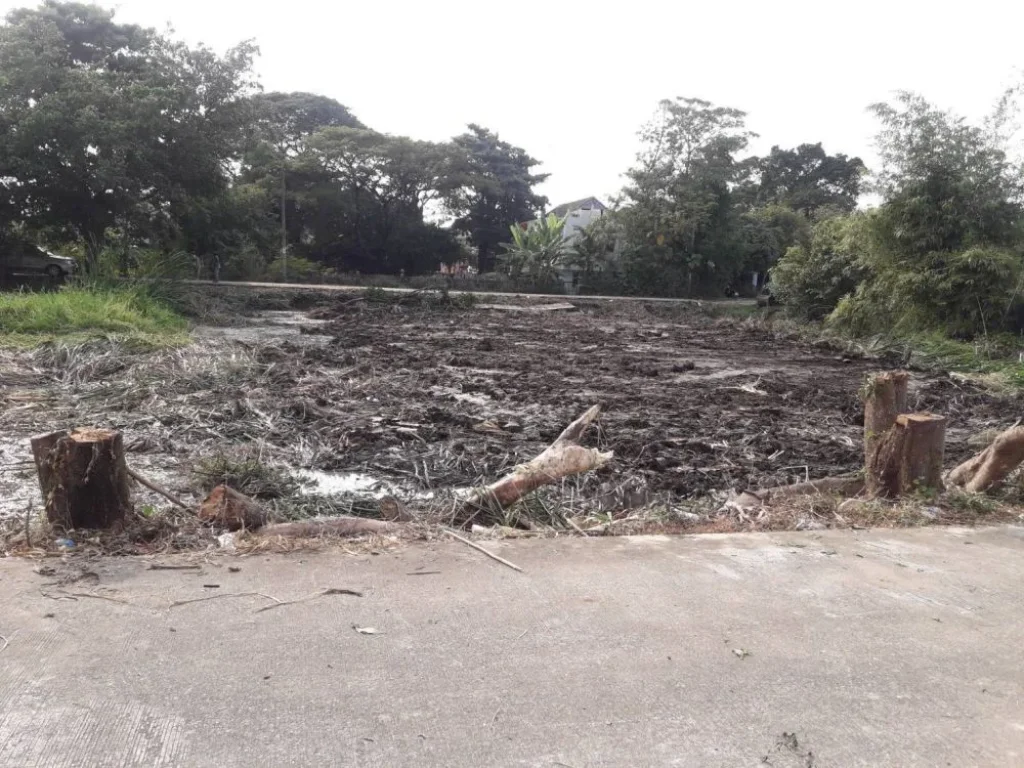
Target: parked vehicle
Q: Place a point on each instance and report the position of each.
(25, 259)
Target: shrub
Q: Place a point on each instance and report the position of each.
(811, 279)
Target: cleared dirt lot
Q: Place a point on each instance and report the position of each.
(421, 397)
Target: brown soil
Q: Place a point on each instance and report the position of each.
(429, 399)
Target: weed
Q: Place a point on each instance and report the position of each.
(29, 319)
(245, 473)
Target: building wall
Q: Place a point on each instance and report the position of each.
(577, 220)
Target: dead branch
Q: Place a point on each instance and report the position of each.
(991, 467)
(330, 526)
(157, 489)
(313, 596)
(560, 459)
(176, 603)
(478, 548)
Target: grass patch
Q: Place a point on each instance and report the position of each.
(30, 319)
(246, 474)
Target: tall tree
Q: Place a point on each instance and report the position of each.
(680, 218)
(105, 124)
(806, 179)
(381, 186)
(495, 191)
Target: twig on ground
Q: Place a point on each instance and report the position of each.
(160, 567)
(226, 594)
(6, 643)
(76, 595)
(313, 596)
(157, 489)
(478, 548)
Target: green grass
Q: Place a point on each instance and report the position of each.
(30, 319)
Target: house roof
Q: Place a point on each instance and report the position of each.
(586, 204)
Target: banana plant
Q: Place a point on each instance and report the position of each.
(536, 249)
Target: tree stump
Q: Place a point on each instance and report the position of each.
(908, 457)
(885, 398)
(83, 477)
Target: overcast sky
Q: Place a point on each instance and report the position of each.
(573, 81)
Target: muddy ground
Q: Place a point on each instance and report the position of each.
(419, 398)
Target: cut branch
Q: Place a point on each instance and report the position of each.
(330, 526)
(991, 467)
(560, 459)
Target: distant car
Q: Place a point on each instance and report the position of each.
(30, 260)
(766, 298)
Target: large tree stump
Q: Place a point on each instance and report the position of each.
(908, 457)
(83, 477)
(885, 398)
(991, 466)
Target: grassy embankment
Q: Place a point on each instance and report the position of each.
(75, 313)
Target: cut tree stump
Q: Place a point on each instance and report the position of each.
(990, 467)
(230, 509)
(83, 478)
(885, 398)
(908, 457)
(560, 459)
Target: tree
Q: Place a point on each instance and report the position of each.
(382, 186)
(495, 191)
(108, 125)
(680, 218)
(806, 179)
(287, 120)
(946, 245)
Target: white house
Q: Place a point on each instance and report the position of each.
(578, 215)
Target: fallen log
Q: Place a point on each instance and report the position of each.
(83, 478)
(991, 467)
(908, 458)
(564, 457)
(827, 486)
(330, 526)
(227, 508)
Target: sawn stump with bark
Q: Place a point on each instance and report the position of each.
(903, 452)
(83, 478)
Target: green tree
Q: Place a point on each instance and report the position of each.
(380, 187)
(806, 179)
(495, 191)
(106, 125)
(946, 245)
(680, 220)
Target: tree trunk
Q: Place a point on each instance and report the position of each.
(83, 477)
(908, 457)
(885, 398)
(230, 509)
(485, 260)
(991, 466)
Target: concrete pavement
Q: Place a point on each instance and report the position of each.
(838, 648)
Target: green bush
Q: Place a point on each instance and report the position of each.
(298, 270)
(810, 280)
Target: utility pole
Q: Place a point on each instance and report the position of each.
(284, 227)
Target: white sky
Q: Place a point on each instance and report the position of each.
(572, 82)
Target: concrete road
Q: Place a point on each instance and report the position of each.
(455, 292)
(885, 648)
